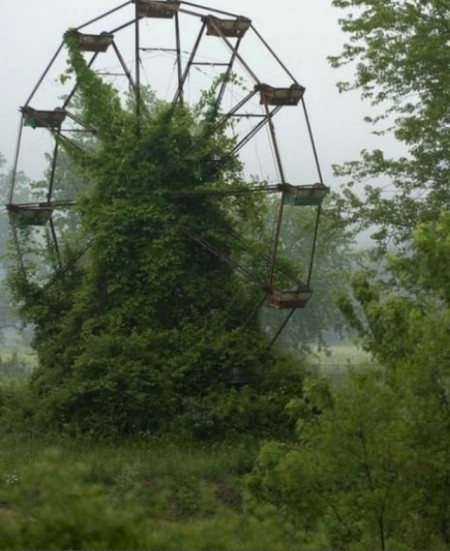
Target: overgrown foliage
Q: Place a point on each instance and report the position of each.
(144, 332)
(143, 335)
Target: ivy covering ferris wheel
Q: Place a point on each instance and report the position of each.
(179, 49)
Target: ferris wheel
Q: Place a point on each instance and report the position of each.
(179, 49)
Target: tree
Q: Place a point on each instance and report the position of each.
(401, 52)
(144, 331)
(406, 329)
(364, 472)
(371, 467)
(345, 476)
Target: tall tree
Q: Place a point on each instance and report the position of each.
(401, 51)
(372, 470)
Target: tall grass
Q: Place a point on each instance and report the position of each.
(152, 494)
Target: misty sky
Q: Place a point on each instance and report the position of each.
(302, 32)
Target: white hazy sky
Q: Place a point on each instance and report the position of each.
(302, 32)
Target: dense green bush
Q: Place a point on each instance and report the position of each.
(361, 472)
(144, 333)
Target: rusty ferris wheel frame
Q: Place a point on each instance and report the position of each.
(231, 29)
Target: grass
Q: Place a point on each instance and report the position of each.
(153, 493)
